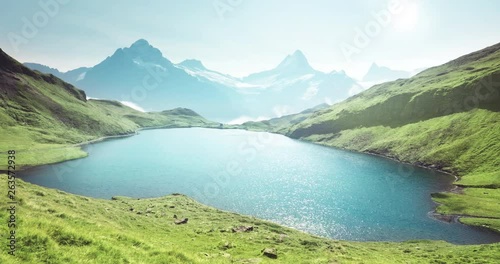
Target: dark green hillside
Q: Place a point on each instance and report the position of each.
(40, 112)
(281, 124)
(469, 82)
(447, 117)
(43, 119)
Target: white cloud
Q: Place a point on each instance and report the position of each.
(355, 89)
(133, 106)
(311, 91)
(242, 119)
(126, 103)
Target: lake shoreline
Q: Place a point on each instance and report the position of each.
(434, 214)
(453, 188)
(132, 229)
(91, 141)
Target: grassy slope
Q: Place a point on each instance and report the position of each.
(42, 122)
(447, 117)
(39, 112)
(282, 124)
(57, 227)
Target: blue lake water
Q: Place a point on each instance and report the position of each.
(324, 191)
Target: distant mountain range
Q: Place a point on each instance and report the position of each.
(380, 74)
(69, 76)
(445, 118)
(141, 75)
(40, 111)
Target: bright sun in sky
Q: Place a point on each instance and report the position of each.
(407, 19)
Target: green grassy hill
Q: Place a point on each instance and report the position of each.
(447, 118)
(40, 112)
(57, 227)
(44, 119)
(280, 124)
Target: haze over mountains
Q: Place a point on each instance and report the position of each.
(141, 75)
(381, 74)
(73, 75)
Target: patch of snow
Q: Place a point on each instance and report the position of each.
(217, 77)
(242, 119)
(81, 76)
(287, 81)
(161, 67)
(133, 106)
(311, 91)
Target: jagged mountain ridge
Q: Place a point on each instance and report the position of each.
(141, 74)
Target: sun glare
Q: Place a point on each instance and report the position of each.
(408, 18)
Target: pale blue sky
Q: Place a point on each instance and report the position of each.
(253, 35)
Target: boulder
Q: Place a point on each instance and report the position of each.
(181, 221)
(242, 229)
(270, 253)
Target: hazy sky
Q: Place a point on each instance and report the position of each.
(245, 36)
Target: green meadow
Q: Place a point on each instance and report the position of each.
(445, 118)
(414, 120)
(58, 227)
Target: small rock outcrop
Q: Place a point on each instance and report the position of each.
(242, 229)
(270, 253)
(181, 221)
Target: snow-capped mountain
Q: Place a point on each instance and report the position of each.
(196, 69)
(294, 85)
(140, 74)
(293, 67)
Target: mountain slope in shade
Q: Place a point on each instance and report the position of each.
(381, 74)
(44, 69)
(196, 69)
(446, 117)
(142, 75)
(292, 67)
(283, 123)
(294, 85)
(40, 111)
(71, 76)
